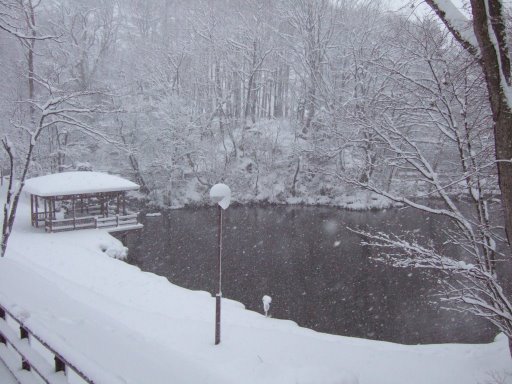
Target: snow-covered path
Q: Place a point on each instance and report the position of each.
(121, 325)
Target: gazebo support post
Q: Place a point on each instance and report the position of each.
(73, 205)
(50, 212)
(37, 210)
(102, 209)
(45, 209)
(32, 209)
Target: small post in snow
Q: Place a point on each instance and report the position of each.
(220, 194)
(266, 304)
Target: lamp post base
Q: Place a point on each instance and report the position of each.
(217, 318)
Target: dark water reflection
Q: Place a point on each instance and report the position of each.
(312, 266)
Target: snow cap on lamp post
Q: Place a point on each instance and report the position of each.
(221, 194)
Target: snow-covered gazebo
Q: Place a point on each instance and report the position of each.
(78, 200)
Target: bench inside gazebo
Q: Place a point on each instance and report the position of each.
(79, 200)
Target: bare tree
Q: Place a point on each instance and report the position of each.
(444, 102)
(312, 23)
(487, 42)
(51, 100)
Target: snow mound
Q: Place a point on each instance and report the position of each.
(114, 248)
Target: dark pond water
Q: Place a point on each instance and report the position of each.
(312, 266)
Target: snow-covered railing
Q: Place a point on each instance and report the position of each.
(70, 224)
(57, 225)
(21, 358)
(116, 221)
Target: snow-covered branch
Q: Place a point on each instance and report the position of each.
(457, 23)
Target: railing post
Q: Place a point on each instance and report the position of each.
(117, 220)
(24, 364)
(60, 366)
(23, 333)
(2, 316)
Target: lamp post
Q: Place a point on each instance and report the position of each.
(220, 194)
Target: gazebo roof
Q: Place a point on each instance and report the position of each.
(73, 183)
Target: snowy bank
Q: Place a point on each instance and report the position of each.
(124, 325)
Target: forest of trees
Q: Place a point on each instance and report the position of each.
(280, 99)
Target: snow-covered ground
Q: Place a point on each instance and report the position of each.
(121, 325)
(5, 376)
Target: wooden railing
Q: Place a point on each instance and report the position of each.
(38, 217)
(116, 221)
(28, 359)
(57, 225)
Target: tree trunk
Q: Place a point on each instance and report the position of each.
(503, 134)
(501, 112)
(31, 22)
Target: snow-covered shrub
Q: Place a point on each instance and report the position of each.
(114, 249)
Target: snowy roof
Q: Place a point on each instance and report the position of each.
(71, 183)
